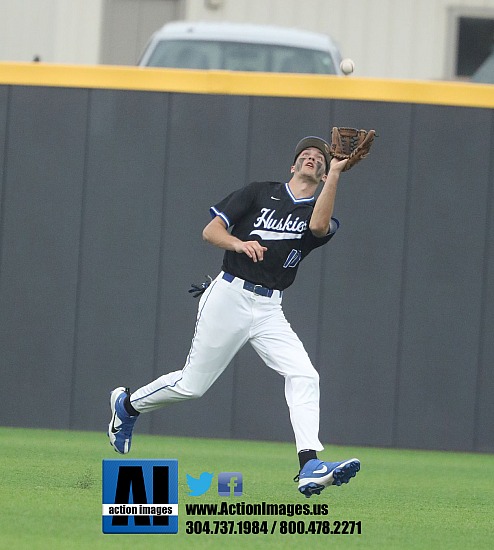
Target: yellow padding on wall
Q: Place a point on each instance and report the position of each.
(249, 84)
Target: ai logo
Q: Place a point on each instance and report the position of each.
(140, 496)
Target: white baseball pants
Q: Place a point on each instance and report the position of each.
(228, 317)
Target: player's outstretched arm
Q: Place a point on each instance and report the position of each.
(323, 209)
(216, 233)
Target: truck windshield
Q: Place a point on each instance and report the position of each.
(239, 56)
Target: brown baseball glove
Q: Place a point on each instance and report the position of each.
(351, 144)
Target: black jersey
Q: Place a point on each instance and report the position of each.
(269, 213)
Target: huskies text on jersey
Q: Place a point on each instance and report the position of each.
(272, 228)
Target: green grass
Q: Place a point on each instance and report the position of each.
(50, 493)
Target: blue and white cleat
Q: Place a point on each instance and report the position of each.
(316, 475)
(121, 423)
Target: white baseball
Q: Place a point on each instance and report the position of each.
(347, 66)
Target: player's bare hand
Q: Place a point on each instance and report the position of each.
(253, 249)
(337, 165)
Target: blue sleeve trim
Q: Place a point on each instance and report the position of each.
(214, 212)
(334, 224)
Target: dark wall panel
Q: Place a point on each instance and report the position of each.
(4, 95)
(120, 242)
(40, 253)
(206, 157)
(4, 99)
(443, 280)
(362, 282)
(484, 406)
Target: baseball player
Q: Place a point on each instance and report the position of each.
(266, 230)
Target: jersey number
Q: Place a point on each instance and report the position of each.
(293, 258)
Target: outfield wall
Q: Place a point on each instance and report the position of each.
(107, 175)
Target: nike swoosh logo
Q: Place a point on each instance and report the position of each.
(275, 199)
(323, 470)
(113, 429)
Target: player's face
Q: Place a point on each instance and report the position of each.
(311, 162)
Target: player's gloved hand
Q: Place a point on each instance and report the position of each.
(197, 290)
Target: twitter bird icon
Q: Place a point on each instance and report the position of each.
(199, 486)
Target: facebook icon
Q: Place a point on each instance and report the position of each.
(228, 481)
